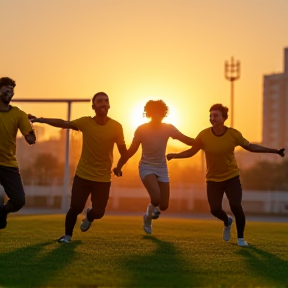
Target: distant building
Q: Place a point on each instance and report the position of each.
(275, 118)
(275, 108)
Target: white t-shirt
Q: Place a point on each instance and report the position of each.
(154, 141)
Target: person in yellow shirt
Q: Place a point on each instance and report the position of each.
(11, 119)
(93, 173)
(218, 143)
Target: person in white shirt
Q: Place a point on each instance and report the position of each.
(153, 137)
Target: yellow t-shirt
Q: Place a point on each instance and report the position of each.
(219, 152)
(97, 150)
(10, 122)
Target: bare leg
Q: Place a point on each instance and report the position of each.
(152, 186)
(164, 195)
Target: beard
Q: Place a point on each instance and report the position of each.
(6, 100)
(6, 97)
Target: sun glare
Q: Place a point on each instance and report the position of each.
(171, 117)
(137, 117)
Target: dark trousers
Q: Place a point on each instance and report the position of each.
(233, 190)
(81, 190)
(11, 181)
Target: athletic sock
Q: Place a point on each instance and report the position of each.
(150, 209)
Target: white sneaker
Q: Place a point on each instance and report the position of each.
(85, 225)
(147, 224)
(241, 242)
(227, 229)
(64, 239)
(156, 213)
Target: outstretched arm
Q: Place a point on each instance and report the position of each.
(260, 149)
(185, 154)
(54, 122)
(185, 139)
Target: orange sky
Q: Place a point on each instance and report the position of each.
(144, 49)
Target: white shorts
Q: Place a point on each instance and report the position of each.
(160, 172)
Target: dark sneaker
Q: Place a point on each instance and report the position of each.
(64, 239)
(3, 223)
(3, 218)
(156, 213)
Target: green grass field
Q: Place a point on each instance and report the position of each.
(115, 252)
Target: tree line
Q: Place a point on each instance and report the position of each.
(47, 169)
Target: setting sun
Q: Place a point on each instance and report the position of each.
(137, 117)
(172, 117)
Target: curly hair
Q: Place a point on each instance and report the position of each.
(155, 108)
(224, 110)
(6, 81)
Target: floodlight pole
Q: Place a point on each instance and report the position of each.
(66, 183)
(232, 73)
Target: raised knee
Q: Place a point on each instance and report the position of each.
(97, 214)
(155, 201)
(164, 207)
(18, 204)
(236, 207)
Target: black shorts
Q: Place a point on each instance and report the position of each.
(82, 188)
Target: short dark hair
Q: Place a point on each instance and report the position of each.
(157, 107)
(224, 110)
(98, 94)
(6, 81)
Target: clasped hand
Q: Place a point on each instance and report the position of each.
(117, 172)
(281, 152)
(170, 156)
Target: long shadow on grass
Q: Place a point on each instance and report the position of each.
(35, 265)
(266, 265)
(164, 266)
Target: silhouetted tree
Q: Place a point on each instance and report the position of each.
(45, 169)
(266, 176)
